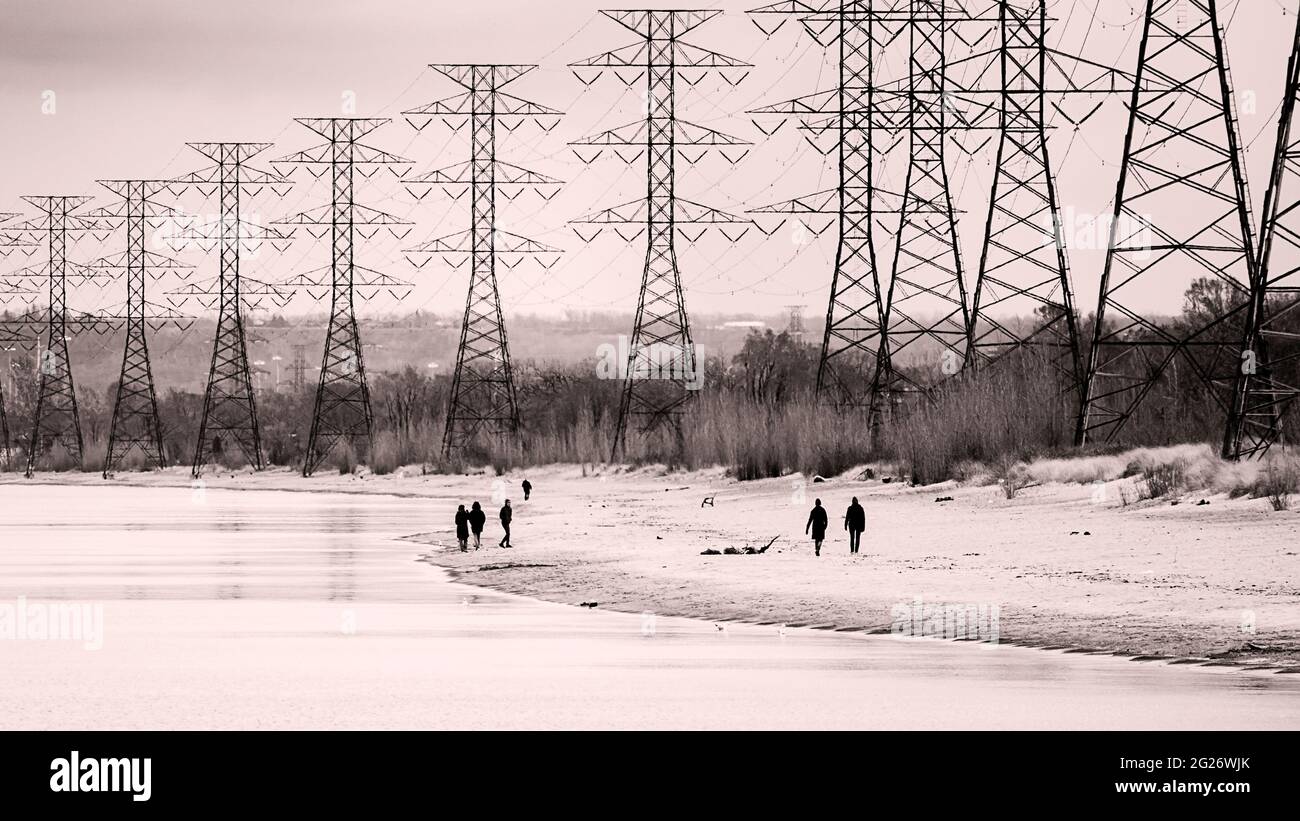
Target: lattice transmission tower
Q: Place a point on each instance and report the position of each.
(298, 368)
(229, 423)
(56, 419)
(135, 423)
(1269, 380)
(8, 341)
(342, 411)
(662, 360)
(794, 325)
(1024, 271)
(1181, 220)
(850, 367)
(483, 399)
(874, 322)
(927, 305)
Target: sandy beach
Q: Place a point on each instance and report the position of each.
(1066, 564)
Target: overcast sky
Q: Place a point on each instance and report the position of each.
(133, 80)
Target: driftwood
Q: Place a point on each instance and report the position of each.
(740, 551)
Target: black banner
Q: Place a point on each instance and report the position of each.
(165, 771)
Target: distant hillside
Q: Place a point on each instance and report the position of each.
(180, 360)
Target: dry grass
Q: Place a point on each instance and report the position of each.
(93, 455)
(385, 453)
(1163, 481)
(15, 459)
(57, 458)
(1166, 473)
(1278, 481)
(344, 458)
(1011, 475)
(1010, 424)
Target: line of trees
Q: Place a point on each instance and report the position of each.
(757, 414)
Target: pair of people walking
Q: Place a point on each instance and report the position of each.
(472, 521)
(855, 521)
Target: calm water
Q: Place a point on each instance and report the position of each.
(285, 610)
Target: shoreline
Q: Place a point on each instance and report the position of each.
(465, 573)
(1069, 568)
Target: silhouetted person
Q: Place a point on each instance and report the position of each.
(855, 521)
(462, 528)
(506, 514)
(477, 518)
(817, 524)
(528, 489)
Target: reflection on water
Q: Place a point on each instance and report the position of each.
(259, 609)
(210, 546)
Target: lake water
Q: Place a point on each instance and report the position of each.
(227, 609)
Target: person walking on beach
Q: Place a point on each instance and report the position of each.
(855, 521)
(506, 515)
(462, 528)
(528, 489)
(477, 518)
(817, 524)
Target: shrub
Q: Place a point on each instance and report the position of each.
(57, 458)
(1279, 480)
(1011, 474)
(385, 453)
(93, 455)
(344, 457)
(1163, 480)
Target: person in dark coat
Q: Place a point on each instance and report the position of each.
(528, 489)
(817, 524)
(506, 515)
(462, 528)
(855, 521)
(477, 518)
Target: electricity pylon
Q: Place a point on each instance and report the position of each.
(483, 398)
(229, 409)
(1023, 265)
(794, 326)
(662, 362)
(1181, 208)
(927, 271)
(298, 369)
(342, 411)
(135, 409)
(922, 303)
(849, 367)
(8, 341)
(1268, 383)
(56, 419)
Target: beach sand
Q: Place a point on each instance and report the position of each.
(1065, 564)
